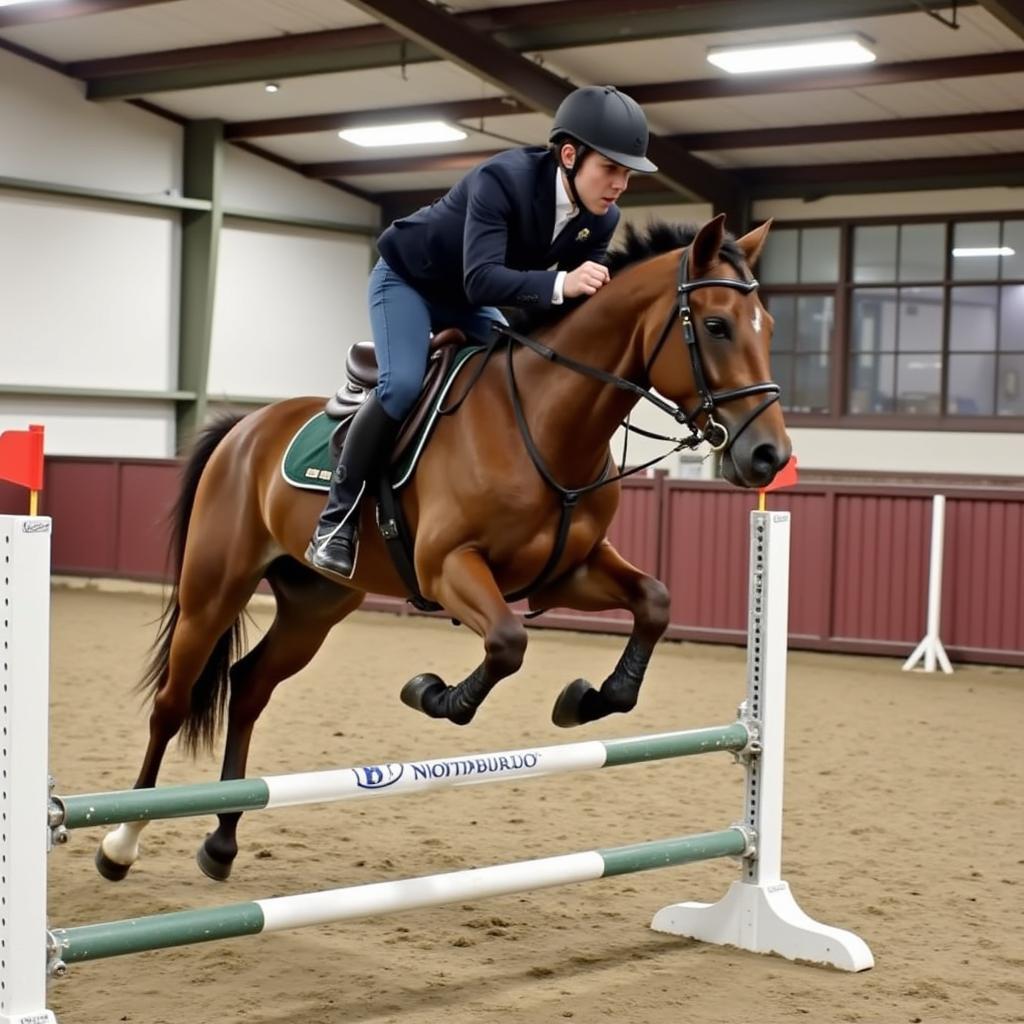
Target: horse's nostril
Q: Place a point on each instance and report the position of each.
(766, 461)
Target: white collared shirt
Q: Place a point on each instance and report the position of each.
(565, 210)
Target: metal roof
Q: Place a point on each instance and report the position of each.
(941, 107)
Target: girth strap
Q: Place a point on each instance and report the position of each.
(395, 531)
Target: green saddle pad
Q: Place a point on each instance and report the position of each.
(307, 460)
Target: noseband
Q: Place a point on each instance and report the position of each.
(713, 432)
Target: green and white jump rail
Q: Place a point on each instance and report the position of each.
(392, 779)
(757, 913)
(136, 935)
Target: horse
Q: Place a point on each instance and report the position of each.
(680, 315)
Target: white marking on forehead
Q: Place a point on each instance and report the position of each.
(756, 319)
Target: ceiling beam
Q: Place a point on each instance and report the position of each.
(751, 138)
(974, 65)
(815, 180)
(34, 14)
(36, 58)
(855, 131)
(1009, 12)
(1011, 62)
(457, 110)
(525, 28)
(452, 39)
(421, 164)
(810, 182)
(798, 135)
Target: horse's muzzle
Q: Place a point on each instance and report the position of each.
(755, 465)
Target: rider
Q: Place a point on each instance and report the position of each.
(486, 243)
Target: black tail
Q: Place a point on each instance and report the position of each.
(210, 692)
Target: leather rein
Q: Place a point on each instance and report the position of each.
(712, 432)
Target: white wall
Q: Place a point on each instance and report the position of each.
(89, 290)
(50, 132)
(129, 429)
(910, 451)
(252, 183)
(289, 304)
(289, 300)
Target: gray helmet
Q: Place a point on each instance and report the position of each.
(607, 121)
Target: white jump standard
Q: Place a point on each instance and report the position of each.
(758, 913)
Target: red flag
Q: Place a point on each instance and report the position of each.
(21, 457)
(786, 477)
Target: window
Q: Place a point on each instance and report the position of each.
(921, 342)
(919, 322)
(799, 272)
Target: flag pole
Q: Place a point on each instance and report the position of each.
(21, 461)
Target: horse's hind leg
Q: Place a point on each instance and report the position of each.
(203, 624)
(467, 591)
(308, 606)
(605, 581)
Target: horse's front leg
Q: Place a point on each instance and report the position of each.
(604, 581)
(467, 590)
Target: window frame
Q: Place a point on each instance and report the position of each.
(840, 353)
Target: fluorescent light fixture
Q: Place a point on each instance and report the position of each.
(11, 3)
(985, 250)
(271, 87)
(402, 134)
(804, 53)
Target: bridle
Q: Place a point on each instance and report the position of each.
(713, 432)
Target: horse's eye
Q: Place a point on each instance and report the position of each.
(717, 328)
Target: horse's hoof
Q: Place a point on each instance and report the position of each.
(212, 867)
(110, 869)
(422, 689)
(567, 709)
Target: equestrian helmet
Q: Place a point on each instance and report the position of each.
(608, 121)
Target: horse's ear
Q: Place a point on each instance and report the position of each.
(705, 246)
(752, 242)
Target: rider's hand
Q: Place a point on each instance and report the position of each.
(585, 279)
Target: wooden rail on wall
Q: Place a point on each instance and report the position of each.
(859, 572)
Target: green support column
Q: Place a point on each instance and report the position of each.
(200, 241)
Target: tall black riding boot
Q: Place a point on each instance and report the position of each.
(370, 438)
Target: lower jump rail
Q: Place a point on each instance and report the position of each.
(187, 927)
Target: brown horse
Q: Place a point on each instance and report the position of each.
(484, 516)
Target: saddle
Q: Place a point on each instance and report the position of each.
(361, 372)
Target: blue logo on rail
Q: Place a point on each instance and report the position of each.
(378, 776)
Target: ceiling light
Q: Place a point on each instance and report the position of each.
(271, 87)
(805, 53)
(402, 134)
(985, 250)
(11, 3)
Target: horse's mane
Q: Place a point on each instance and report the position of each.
(636, 245)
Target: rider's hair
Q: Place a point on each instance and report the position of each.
(556, 144)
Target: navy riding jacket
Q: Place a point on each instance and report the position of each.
(488, 241)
